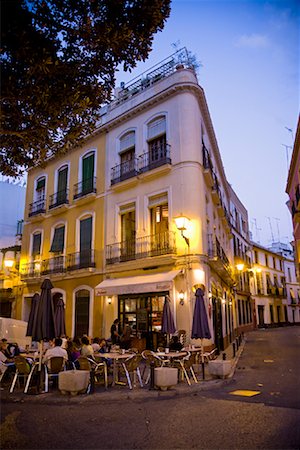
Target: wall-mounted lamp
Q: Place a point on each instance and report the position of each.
(240, 266)
(9, 260)
(181, 298)
(182, 223)
(109, 300)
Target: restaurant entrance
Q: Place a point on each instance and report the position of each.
(144, 314)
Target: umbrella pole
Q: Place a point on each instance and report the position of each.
(202, 360)
(39, 374)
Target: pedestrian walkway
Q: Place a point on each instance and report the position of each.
(119, 393)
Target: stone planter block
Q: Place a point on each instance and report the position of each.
(219, 368)
(73, 381)
(165, 377)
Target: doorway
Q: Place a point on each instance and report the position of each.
(261, 312)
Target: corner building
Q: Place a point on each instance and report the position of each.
(155, 224)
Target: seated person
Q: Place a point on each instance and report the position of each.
(57, 350)
(5, 361)
(103, 346)
(175, 344)
(86, 349)
(95, 344)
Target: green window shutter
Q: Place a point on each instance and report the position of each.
(85, 234)
(58, 241)
(62, 180)
(40, 184)
(36, 244)
(88, 167)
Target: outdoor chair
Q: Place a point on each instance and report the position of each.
(55, 365)
(150, 358)
(188, 362)
(23, 370)
(131, 366)
(209, 356)
(98, 368)
(179, 363)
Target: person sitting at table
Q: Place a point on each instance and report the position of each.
(103, 346)
(86, 349)
(5, 361)
(175, 344)
(57, 350)
(125, 341)
(96, 344)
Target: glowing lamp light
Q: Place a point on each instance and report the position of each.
(8, 263)
(182, 223)
(240, 267)
(37, 266)
(109, 300)
(258, 270)
(181, 297)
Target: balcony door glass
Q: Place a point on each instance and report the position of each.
(85, 242)
(62, 183)
(128, 235)
(159, 216)
(88, 163)
(36, 245)
(157, 140)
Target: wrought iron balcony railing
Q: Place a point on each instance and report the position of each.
(144, 247)
(207, 163)
(123, 171)
(218, 257)
(81, 260)
(58, 264)
(38, 207)
(85, 187)
(156, 157)
(59, 198)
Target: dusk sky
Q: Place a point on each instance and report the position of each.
(249, 51)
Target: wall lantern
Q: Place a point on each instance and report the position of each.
(109, 300)
(181, 298)
(9, 260)
(182, 224)
(240, 267)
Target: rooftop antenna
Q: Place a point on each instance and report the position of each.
(277, 225)
(256, 231)
(290, 131)
(287, 148)
(272, 235)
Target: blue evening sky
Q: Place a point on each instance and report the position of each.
(249, 50)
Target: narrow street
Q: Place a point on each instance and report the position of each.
(209, 419)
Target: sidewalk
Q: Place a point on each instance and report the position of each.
(120, 393)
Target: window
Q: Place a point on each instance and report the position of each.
(62, 185)
(289, 275)
(36, 245)
(58, 241)
(85, 249)
(40, 188)
(255, 256)
(274, 262)
(128, 231)
(82, 307)
(88, 165)
(266, 259)
(157, 141)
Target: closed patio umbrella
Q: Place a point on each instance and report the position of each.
(200, 328)
(59, 316)
(33, 313)
(168, 325)
(44, 324)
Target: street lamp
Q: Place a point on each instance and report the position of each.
(182, 224)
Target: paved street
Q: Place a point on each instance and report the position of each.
(202, 419)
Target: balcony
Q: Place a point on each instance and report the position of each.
(58, 265)
(124, 171)
(144, 247)
(59, 199)
(163, 69)
(81, 260)
(208, 172)
(20, 225)
(159, 155)
(37, 208)
(85, 188)
(218, 260)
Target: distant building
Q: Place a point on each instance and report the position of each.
(274, 288)
(293, 191)
(12, 204)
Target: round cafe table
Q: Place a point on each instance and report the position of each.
(114, 356)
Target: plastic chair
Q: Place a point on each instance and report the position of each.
(55, 365)
(131, 365)
(179, 363)
(23, 370)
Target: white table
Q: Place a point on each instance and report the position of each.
(115, 356)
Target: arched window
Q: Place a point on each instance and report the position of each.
(157, 142)
(127, 154)
(82, 307)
